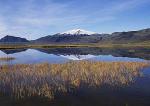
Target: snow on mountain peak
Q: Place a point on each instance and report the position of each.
(78, 32)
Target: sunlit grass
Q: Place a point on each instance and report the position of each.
(46, 80)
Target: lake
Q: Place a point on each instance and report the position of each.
(111, 92)
(62, 55)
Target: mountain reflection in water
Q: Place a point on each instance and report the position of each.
(62, 55)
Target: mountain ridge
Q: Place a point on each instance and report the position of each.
(116, 37)
(83, 36)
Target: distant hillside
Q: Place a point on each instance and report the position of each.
(70, 39)
(131, 36)
(82, 36)
(12, 39)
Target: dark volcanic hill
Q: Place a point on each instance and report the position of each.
(12, 39)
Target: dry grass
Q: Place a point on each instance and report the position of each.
(45, 80)
(6, 58)
(145, 44)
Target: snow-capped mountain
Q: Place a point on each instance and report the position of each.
(78, 32)
(72, 36)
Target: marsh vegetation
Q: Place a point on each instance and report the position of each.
(6, 58)
(48, 80)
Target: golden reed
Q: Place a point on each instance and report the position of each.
(45, 80)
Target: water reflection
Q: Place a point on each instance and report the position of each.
(12, 51)
(62, 55)
(143, 53)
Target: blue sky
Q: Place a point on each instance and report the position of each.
(32, 19)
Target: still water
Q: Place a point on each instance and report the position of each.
(135, 93)
(62, 55)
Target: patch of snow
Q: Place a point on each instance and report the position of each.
(78, 32)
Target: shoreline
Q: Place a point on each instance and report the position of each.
(19, 46)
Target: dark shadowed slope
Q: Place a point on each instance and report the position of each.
(12, 39)
(70, 39)
(131, 36)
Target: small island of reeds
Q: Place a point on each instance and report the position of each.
(6, 58)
